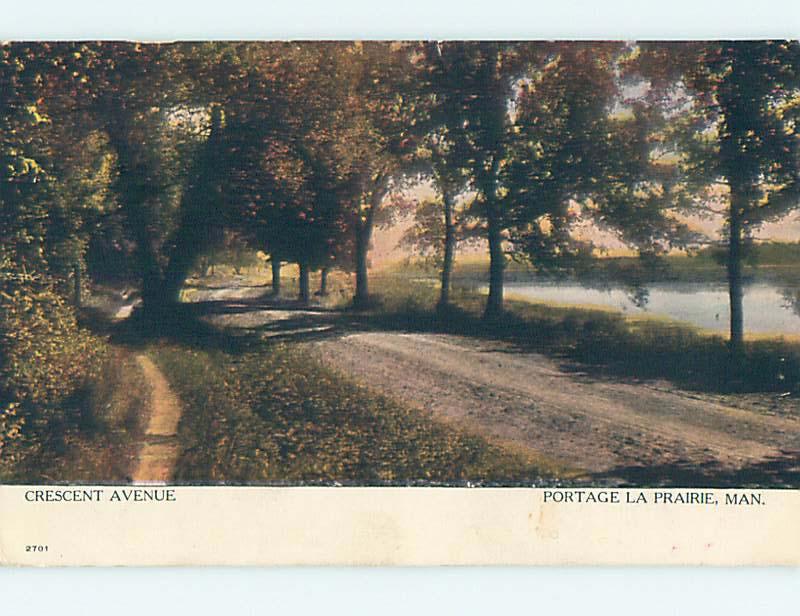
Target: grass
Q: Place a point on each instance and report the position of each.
(278, 416)
(96, 441)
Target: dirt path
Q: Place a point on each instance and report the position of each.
(160, 449)
(529, 399)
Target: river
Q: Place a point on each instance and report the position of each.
(767, 309)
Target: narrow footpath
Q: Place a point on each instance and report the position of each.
(159, 451)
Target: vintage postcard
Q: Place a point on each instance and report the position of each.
(400, 302)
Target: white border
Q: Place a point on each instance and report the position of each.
(314, 19)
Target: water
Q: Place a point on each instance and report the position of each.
(766, 307)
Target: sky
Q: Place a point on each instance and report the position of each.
(385, 248)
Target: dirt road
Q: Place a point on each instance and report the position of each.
(585, 423)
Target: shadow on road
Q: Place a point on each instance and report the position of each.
(231, 325)
(781, 471)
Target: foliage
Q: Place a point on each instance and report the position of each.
(45, 360)
(47, 205)
(733, 108)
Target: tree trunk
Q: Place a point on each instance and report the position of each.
(323, 282)
(361, 298)
(363, 236)
(154, 305)
(275, 262)
(77, 281)
(200, 207)
(304, 295)
(133, 195)
(494, 303)
(449, 249)
(735, 289)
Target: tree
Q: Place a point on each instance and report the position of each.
(584, 152)
(156, 107)
(436, 232)
(483, 79)
(376, 131)
(56, 175)
(288, 177)
(446, 155)
(558, 153)
(736, 109)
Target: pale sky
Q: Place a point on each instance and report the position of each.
(385, 247)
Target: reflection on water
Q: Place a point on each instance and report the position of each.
(791, 298)
(767, 308)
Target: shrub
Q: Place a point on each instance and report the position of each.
(46, 359)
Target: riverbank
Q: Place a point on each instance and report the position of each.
(605, 341)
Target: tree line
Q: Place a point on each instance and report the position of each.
(132, 159)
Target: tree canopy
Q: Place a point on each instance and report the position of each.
(140, 155)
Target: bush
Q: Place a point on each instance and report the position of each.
(46, 360)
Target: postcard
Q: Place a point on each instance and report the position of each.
(399, 302)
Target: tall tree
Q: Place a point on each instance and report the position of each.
(485, 78)
(737, 110)
(447, 154)
(377, 127)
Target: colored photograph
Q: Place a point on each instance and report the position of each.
(400, 263)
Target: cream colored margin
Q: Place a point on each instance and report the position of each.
(396, 526)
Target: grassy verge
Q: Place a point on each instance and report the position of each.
(67, 401)
(94, 437)
(278, 415)
(644, 348)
